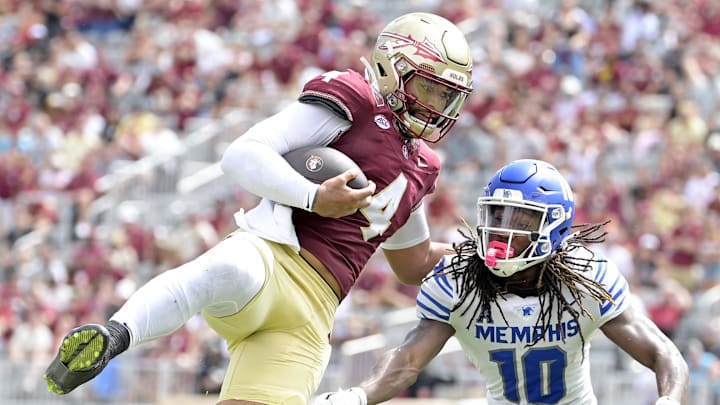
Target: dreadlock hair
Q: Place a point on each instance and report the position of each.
(562, 270)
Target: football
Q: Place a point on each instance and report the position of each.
(319, 163)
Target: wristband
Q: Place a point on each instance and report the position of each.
(666, 400)
(360, 393)
(352, 396)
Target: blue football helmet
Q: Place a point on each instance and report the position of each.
(527, 206)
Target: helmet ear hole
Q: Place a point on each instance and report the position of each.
(380, 70)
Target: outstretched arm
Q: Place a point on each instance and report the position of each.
(398, 368)
(637, 335)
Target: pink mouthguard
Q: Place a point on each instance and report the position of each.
(495, 249)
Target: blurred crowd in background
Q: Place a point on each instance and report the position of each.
(623, 96)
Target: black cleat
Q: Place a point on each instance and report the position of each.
(81, 357)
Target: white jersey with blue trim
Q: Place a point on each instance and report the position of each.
(552, 371)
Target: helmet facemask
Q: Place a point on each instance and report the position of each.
(505, 224)
(421, 117)
(524, 216)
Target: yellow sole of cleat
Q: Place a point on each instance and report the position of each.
(79, 351)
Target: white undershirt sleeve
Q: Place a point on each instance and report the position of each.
(415, 231)
(255, 159)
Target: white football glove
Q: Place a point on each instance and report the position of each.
(353, 396)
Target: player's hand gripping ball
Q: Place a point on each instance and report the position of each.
(319, 163)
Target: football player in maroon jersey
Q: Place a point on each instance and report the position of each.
(271, 289)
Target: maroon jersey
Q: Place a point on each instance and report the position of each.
(403, 170)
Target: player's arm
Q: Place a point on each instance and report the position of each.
(412, 264)
(255, 160)
(640, 338)
(398, 368)
(410, 252)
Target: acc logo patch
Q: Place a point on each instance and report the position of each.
(382, 122)
(314, 163)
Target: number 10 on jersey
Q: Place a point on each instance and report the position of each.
(542, 371)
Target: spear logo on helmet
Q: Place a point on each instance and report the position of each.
(423, 49)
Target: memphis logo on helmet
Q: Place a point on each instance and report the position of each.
(314, 163)
(508, 194)
(424, 49)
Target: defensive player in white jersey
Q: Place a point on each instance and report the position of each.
(523, 295)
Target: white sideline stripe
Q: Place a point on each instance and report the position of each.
(363, 344)
(378, 342)
(204, 176)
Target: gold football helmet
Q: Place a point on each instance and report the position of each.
(422, 67)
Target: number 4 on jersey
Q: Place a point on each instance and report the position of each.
(383, 207)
